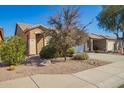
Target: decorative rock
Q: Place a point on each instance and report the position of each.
(45, 62)
(91, 62)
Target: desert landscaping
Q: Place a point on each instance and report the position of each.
(56, 67)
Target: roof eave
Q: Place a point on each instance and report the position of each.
(42, 27)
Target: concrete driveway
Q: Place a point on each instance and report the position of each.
(107, 57)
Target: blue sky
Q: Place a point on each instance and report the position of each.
(10, 15)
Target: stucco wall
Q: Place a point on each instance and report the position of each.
(20, 33)
(110, 45)
(0, 38)
(47, 39)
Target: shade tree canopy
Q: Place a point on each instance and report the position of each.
(68, 31)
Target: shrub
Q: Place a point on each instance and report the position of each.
(48, 52)
(83, 56)
(12, 50)
(70, 52)
(77, 57)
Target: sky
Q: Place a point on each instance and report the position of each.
(10, 15)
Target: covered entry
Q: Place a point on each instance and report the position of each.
(96, 44)
(37, 40)
(40, 42)
(99, 42)
(99, 45)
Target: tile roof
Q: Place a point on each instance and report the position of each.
(24, 26)
(27, 27)
(95, 36)
(108, 37)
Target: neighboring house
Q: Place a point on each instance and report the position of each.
(120, 45)
(34, 36)
(1, 34)
(100, 42)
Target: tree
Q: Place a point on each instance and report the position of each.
(111, 18)
(12, 50)
(67, 30)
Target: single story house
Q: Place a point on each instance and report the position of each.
(34, 35)
(100, 42)
(1, 34)
(36, 39)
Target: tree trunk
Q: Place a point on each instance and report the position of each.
(65, 56)
(116, 43)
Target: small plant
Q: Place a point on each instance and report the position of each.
(70, 52)
(12, 67)
(77, 57)
(83, 56)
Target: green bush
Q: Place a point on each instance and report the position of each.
(12, 50)
(48, 52)
(83, 56)
(70, 52)
(77, 57)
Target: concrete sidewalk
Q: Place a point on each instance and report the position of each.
(108, 76)
(107, 57)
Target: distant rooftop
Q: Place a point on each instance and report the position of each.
(96, 36)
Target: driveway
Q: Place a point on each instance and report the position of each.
(107, 57)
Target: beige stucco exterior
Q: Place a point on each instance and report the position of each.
(21, 33)
(35, 39)
(0, 38)
(110, 45)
